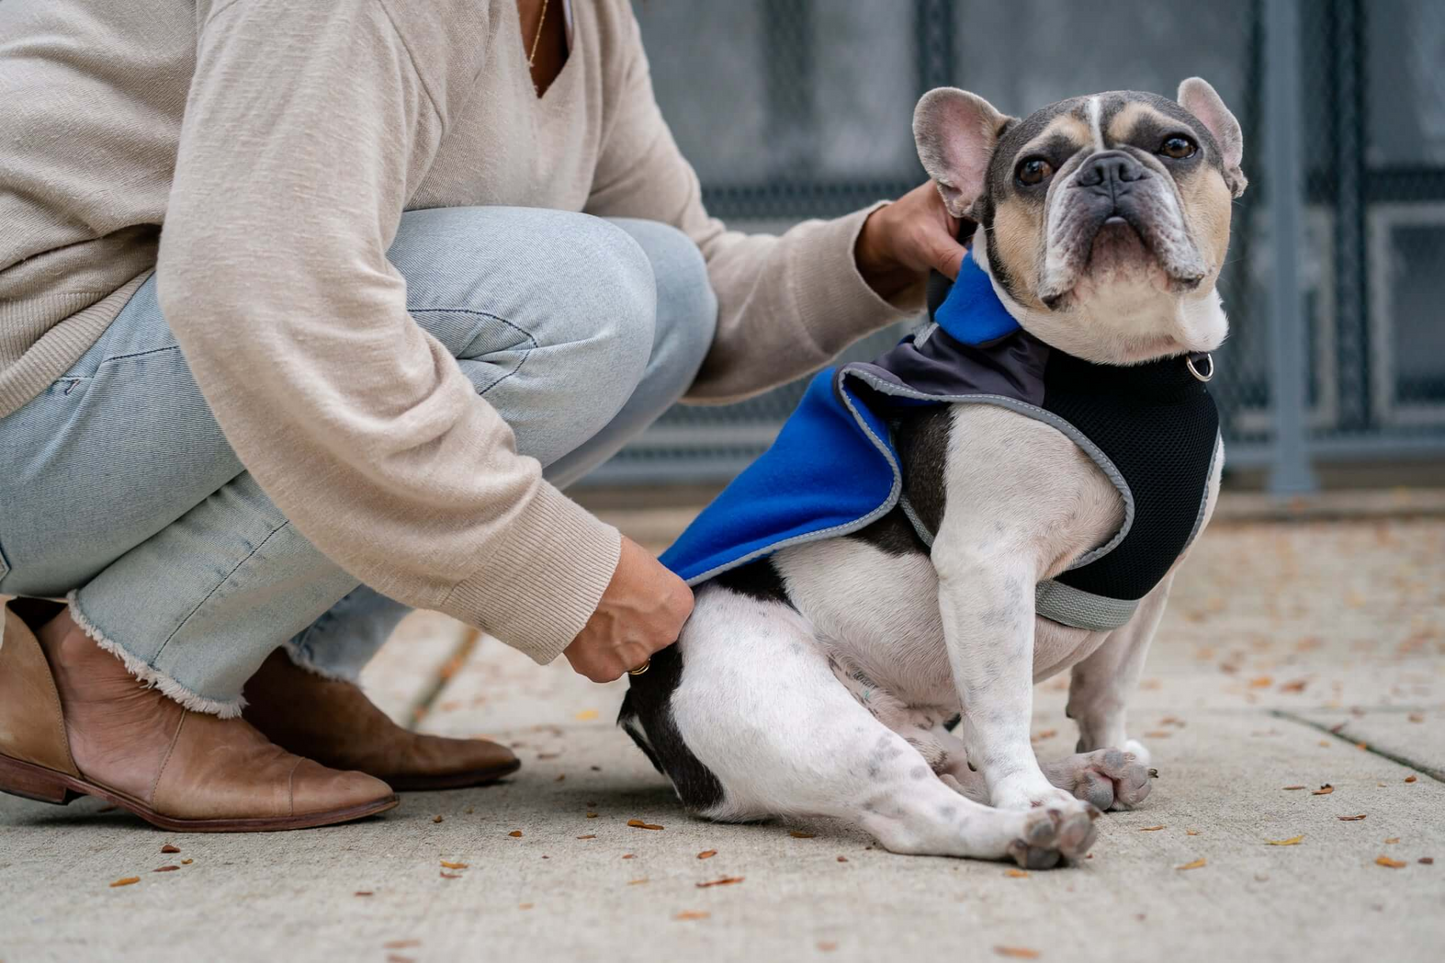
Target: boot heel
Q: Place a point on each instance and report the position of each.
(34, 782)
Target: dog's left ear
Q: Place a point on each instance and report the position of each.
(1200, 99)
(956, 132)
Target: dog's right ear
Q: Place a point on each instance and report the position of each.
(956, 133)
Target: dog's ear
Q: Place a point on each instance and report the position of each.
(1201, 100)
(956, 132)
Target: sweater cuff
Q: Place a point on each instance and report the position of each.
(840, 306)
(544, 580)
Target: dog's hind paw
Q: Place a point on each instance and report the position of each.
(1053, 835)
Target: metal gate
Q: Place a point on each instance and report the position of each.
(793, 109)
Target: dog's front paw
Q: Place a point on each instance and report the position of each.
(1055, 833)
(1107, 778)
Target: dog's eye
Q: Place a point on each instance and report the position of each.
(1033, 171)
(1177, 147)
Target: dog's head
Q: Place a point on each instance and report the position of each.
(1103, 220)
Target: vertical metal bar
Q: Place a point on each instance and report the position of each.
(1290, 472)
(934, 33)
(1351, 256)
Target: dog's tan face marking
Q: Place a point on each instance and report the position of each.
(1111, 211)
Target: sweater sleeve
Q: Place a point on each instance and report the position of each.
(787, 304)
(306, 128)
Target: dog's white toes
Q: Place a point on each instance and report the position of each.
(1106, 778)
(1138, 750)
(1055, 835)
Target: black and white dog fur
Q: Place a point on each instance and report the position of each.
(822, 679)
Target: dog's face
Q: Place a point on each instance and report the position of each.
(1103, 220)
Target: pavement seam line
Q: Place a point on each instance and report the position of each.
(1414, 766)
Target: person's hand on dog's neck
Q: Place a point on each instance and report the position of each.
(901, 242)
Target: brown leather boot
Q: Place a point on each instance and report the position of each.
(76, 723)
(335, 723)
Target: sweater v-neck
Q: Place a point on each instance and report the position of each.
(521, 48)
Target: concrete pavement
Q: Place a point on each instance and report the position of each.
(1294, 654)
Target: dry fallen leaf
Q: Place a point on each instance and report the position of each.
(1362, 745)
(842, 859)
(1290, 788)
(1017, 952)
(362, 892)
(1387, 861)
(436, 819)
(588, 836)
(591, 815)
(126, 881)
(1261, 682)
(1298, 685)
(1426, 860)
(446, 875)
(187, 862)
(454, 865)
(1017, 873)
(168, 848)
(636, 882)
(692, 915)
(1292, 841)
(827, 946)
(1198, 863)
(1151, 829)
(515, 834)
(586, 715)
(1392, 840)
(628, 856)
(1191, 832)
(525, 905)
(707, 854)
(1351, 819)
(165, 869)
(639, 824)
(1410, 778)
(799, 834)
(400, 944)
(725, 881)
(1324, 790)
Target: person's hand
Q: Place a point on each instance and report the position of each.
(901, 242)
(642, 611)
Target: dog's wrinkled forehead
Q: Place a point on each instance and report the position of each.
(1104, 121)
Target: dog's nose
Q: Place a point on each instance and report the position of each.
(1110, 171)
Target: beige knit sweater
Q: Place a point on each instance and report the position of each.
(278, 142)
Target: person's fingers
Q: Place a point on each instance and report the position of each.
(944, 254)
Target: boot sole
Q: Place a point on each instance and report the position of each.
(30, 781)
(460, 780)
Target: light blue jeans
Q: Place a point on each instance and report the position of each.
(119, 489)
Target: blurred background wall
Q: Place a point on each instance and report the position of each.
(791, 109)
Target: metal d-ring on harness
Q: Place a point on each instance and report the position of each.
(1189, 363)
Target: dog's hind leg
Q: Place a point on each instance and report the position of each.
(759, 706)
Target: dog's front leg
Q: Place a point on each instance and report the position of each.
(1099, 686)
(986, 598)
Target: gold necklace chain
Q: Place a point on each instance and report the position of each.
(537, 40)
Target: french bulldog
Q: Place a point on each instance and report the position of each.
(825, 677)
